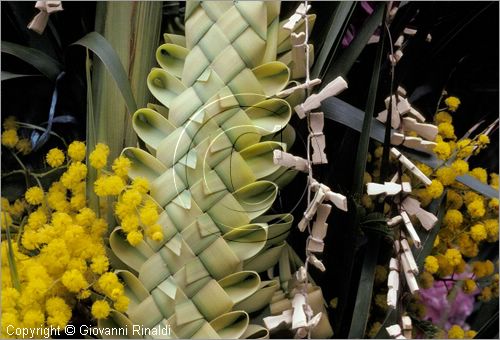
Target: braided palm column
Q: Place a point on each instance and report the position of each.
(210, 165)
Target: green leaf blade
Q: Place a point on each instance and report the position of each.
(337, 110)
(345, 61)
(365, 286)
(338, 25)
(102, 49)
(39, 60)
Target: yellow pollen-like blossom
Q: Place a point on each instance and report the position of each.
(476, 209)
(465, 148)
(10, 123)
(478, 232)
(99, 157)
(453, 219)
(34, 195)
(446, 175)
(99, 264)
(446, 130)
(108, 282)
(24, 146)
(442, 150)
(493, 204)
(431, 264)
(131, 197)
(10, 138)
(469, 286)
(456, 332)
(109, 185)
(121, 303)
(121, 166)
(77, 151)
(134, 237)
(470, 334)
(454, 199)
(453, 256)
(55, 157)
(482, 269)
(435, 189)
(483, 139)
(453, 103)
(460, 166)
(75, 174)
(443, 117)
(141, 184)
(100, 309)
(74, 281)
(480, 174)
(148, 214)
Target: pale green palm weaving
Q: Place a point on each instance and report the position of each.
(211, 169)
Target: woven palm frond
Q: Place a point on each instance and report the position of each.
(210, 165)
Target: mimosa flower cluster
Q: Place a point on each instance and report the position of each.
(451, 273)
(55, 254)
(470, 220)
(11, 138)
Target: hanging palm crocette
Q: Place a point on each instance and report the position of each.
(211, 169)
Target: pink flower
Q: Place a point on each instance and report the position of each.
(446, 306)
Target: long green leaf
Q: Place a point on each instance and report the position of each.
(490, 329)
(100, 46)
(365, 289)
(390, 318)
(12, 262)
(39, 60)
(365, 127)
(338, 24)
(485, 312)
(365, 286)
(346, 114)
(345, 61)
(8, 75)
(364, 139)
(478, 186)
(125, 45)
(91, 138)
